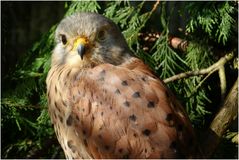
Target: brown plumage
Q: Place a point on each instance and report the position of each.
(106, 103)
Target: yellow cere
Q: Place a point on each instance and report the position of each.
(78, 41)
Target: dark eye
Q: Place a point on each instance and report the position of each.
(101, 36)
(63, 39)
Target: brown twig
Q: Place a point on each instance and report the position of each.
(216, 66)
(221, 122)
(149, 39)
(155, 6)
(223, 81)
(178, 43)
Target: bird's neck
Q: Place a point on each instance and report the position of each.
(63, 74)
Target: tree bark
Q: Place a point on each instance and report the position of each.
(221, 122)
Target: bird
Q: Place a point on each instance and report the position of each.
(105, 102)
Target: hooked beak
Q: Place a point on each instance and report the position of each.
(80, 45)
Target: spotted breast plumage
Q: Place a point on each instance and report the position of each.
(106, 103)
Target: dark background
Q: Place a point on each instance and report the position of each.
(23, 23)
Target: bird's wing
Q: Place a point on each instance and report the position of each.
(126, 112)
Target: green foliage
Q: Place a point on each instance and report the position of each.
(24, 104)
(215, 18)
(83, 6)
(199, 56)
(166, 59)
(129, 18)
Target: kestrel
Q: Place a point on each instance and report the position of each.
(106, 103)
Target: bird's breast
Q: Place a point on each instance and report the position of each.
(59, 81)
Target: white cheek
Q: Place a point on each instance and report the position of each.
(73, 59)
(58, 50)
(64, 55)
(58, 54)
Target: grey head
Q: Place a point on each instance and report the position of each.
(86, 38)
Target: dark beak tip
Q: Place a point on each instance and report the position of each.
(81, 50)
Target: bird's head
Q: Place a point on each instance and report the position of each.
(87, 39)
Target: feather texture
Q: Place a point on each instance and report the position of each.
(119, 111)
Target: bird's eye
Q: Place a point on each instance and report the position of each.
(63, 39)
(101, 36)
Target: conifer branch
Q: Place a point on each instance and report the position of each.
(216, 66)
